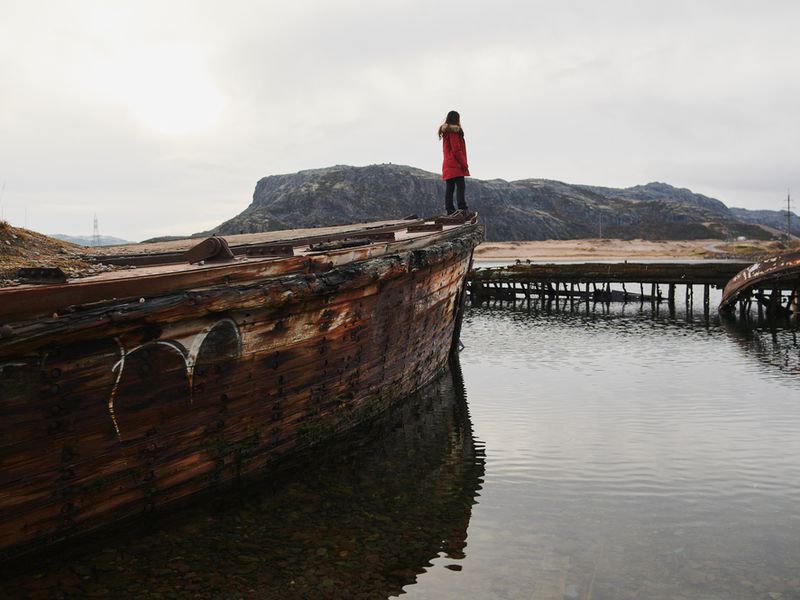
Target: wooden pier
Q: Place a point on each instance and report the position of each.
(600, 282)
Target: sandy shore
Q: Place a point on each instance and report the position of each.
(610, 249)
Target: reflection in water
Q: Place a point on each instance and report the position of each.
(361, 518)
(628, 456)
(772, 343)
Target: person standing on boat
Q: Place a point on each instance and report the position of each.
(454, 165)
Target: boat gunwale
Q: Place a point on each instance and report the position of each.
(335, 234)
(30, 301)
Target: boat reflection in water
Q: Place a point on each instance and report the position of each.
(359, 518)
(773, 343)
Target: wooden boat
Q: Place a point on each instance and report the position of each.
(773, 282)
(134, 389)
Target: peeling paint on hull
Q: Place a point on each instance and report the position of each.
(781, 272)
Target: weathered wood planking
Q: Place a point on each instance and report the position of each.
(781, 272)
(710, 273)
(119, 407)
(421, 451)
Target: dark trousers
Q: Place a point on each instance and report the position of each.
(455, 184)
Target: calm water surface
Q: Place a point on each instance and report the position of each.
(631, 457)
(608, 455)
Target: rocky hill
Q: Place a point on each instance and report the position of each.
(529, 209)
(774, 219)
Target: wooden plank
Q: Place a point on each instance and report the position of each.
(717, 274)
(425, 227)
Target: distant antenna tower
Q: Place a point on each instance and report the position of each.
(788, 215)
(95, 233)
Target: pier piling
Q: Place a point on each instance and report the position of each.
(592, 283)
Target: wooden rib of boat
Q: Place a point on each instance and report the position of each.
(133, 389)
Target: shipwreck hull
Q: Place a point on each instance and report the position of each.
(120, 407)
(773, 282)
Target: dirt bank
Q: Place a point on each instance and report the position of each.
(24, 248)
(610, 249)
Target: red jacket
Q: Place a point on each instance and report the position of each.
(455, 153)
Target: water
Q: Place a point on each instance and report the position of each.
(601, 456)
(360, 519)
(632, 457)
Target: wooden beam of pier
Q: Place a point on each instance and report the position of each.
(700, 273)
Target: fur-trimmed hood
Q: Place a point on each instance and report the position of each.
(448, 128)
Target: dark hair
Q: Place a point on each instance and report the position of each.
(452, 118)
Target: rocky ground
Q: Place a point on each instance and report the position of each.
(24, 248)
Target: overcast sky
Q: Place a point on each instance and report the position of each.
(160, 117)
